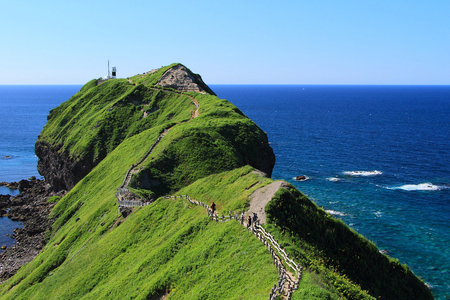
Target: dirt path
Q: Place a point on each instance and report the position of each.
(262, 196)
(136, 168)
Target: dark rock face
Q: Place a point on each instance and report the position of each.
(31, 208)
(58, 168)
(10, 185)
(267, 163)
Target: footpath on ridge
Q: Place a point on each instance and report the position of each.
(123, 191)
(288, 282)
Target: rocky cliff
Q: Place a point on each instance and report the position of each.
(58, 167)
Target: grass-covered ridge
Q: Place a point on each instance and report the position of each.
(85, 129)
(171, 247)
(93, 253)
(95, 121)
(340, 262)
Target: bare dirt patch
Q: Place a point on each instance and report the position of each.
(179, 78)
(262, 196)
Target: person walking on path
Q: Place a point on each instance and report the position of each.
(255, 218)
(249, 222)
(242, 218)
(213, 207)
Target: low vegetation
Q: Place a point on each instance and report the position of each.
(171, 248)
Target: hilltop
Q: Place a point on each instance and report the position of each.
(165, 133)
(84, 130)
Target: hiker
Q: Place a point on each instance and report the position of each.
(249, 222)
(213, 207)
(255, 218)
(242, 218)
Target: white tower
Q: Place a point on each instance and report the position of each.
(113, 71)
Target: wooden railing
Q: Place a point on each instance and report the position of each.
(286, 284)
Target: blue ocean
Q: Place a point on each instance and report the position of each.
(377, 157)
(23, 114)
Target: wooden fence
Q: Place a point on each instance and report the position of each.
(286, 284)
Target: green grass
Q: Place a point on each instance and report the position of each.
(312, 287)
(346, 259)
(229, 190)
(94, 253)
(93, 123)
(203, 146)
(167, 245)
(151, 79)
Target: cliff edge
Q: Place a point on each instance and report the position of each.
(173, 145)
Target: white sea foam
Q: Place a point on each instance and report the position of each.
(363, 173)
(418, 187)
(335, 213)
(334, 179)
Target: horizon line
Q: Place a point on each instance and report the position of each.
(292, 84)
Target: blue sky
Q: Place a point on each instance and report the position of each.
(228, 42)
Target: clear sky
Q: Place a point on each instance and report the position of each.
(228, 42)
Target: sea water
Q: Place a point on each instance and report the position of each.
(377, 157)
(23, 114)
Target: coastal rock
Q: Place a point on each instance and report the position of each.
(24, 184)
(300, 178)
(4, 201)
(10, 185)
(32, 208)
(61, 170)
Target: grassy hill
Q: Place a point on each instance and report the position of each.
(170, 249)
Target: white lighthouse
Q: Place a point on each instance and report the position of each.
(113, 72)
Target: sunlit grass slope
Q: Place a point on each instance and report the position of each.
(93, 252)
(339, 261)
(99, 117)
(96, 254)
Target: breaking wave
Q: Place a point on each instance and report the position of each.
(418, 187)
(363, 173)
(334, 179)
(335, 213)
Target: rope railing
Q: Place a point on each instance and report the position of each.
(122, 186)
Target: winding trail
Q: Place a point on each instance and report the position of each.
(288, 282)
(135, 168)
(262, 196)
